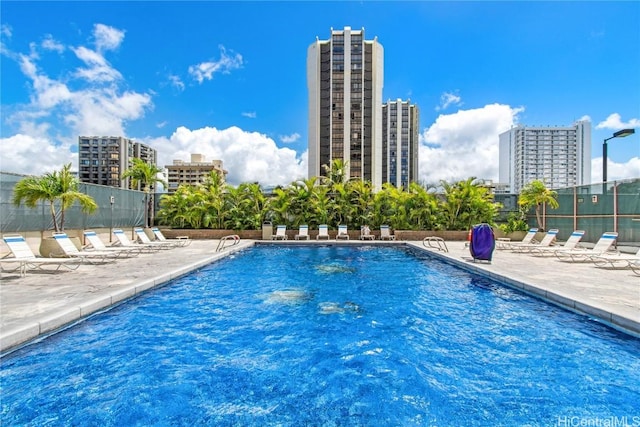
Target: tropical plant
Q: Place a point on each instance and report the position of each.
(329, 200)
(146, 175)
(55, 187)
(535, 195)
(516, 221)
(467, 203)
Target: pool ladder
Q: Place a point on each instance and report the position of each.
(234, 239)
(435, 243)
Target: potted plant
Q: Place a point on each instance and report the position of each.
(60, 189)
(516, 226)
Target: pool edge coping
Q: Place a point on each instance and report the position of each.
(616, 321)
(16, 337)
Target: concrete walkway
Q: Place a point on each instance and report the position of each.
(612, 296)
(40, 303)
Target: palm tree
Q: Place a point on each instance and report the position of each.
(301, 194)
(467, 203)
(361, 195)
(536, 194)
(52, 187)
(146, 175)
(336, 172)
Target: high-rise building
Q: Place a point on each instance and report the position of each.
(344, 80)
(103, 159)
(558, 156)
(400, 143)
(192, 173)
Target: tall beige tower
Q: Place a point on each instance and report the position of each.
(345, 79)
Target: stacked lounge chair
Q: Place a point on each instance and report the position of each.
(145, 240)
(528, 239)
(97, 244)
(547, 241)
(180, 241)
(124, 241)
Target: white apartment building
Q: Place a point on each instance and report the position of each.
(400, 128)
(345, 80)
(558, 156)
(103, 159)
(192, 173)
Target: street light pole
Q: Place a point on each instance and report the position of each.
(619, 134)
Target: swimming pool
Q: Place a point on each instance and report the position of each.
(327, 335)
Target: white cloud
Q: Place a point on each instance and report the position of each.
(6, 30)
(50, 44)
(93, 105)
(107, 38)
(176, 82)
(19, 152)
(615, 171)
(447, 99)
(248, 156)
(98, 68)
(250, 114)
(614, 122)
(226, 63)
(464, 144)
(288, 139)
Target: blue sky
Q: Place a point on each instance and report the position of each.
(228, 79)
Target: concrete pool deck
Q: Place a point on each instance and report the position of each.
(41, 303)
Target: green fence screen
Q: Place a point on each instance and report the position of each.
(116, 208)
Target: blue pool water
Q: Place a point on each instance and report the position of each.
(332, 335)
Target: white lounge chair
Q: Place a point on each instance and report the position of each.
(528, 239)
(24, 259)
(342, 233)
(180, 241)
(145, 240)
(602, 246)
(365, 233)
(69, 250)
(303, 233)
(385, 233)
(572, 243)
(96, 244)
(281, 233)
(616, 260)
(635, 267)
(323, 232)
(547, 241)
(124, 241)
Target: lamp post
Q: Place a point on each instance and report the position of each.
(112, 200)
(619, 134)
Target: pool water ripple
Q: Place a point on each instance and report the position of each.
(325, 336)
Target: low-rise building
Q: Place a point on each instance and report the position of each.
(192, 173)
